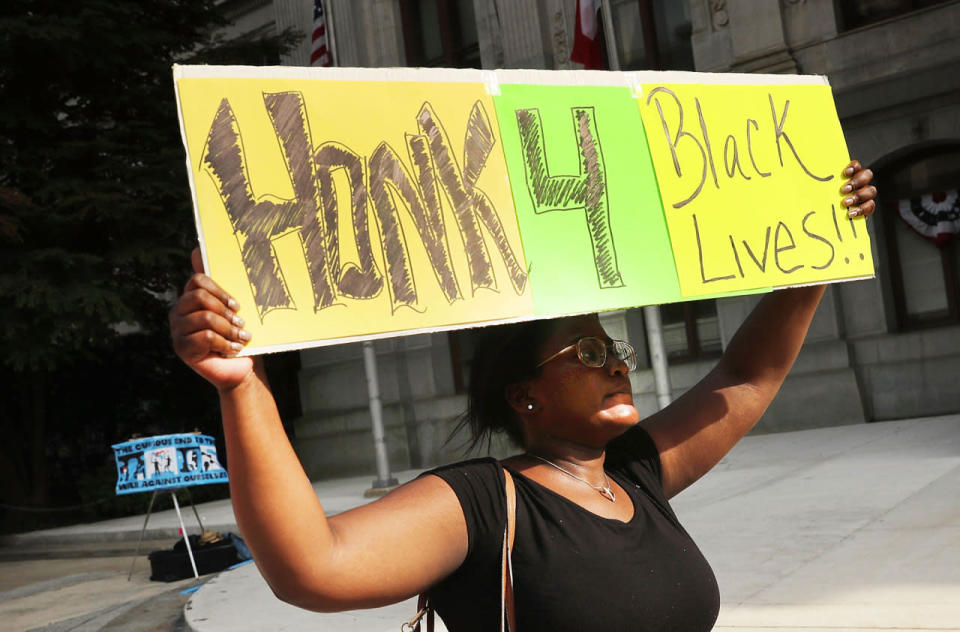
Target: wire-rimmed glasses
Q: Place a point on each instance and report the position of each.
(592, 352)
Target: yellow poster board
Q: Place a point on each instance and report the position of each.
(750, 179)
(353, 207)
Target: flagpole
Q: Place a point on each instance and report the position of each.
(609, 37)
(385, 480)
(331, 38)
(321, 45)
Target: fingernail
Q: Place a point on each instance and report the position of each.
(848, 171)
(243, 335)
(853, 212)
(237, 321)
(847, 188)
(232, 304)
(850, 201)
(236, 347)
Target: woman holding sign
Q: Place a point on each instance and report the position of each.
(595, 545)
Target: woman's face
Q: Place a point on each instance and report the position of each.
(574, 402)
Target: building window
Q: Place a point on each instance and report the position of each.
(652, 34)
(856, 13)
(691, 330)
(925, 278)
(440, 33)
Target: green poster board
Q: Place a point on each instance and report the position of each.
(586, 198)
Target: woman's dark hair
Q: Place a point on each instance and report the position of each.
(503, 355)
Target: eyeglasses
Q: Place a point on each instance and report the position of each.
(592, 352)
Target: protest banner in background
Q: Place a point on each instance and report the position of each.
(167, 462)
(348, 204)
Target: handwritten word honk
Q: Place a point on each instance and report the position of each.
(378, 181)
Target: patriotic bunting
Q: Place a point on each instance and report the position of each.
(935, 216)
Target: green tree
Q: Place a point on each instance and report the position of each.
(95, 223)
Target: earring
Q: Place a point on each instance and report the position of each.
(530, 406)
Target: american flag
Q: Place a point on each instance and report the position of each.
(320, 51)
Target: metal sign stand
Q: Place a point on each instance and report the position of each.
(183, 528)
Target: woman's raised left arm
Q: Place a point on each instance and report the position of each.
(699, 428)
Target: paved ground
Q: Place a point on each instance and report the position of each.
(855, 528)
(88, 594)
(852, 528)
(75, 578)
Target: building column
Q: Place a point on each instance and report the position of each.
(757, 38)
(369, 33)
(296, 15)
(520, 34)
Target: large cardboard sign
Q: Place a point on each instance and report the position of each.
(348, 204)
(167, 462)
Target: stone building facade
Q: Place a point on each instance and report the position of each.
(880, 349)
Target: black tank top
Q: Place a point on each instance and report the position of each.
(574, 570)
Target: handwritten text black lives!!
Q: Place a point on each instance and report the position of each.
(380, 180)
(738, 151)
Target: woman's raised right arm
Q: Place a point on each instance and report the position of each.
(377, 554)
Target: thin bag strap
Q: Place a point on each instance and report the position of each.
(423, 610)
(507, 612)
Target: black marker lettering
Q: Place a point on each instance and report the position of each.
(777, 248)
(586, 191)
(780, 134)
(386, 170)
(365, 281)
(478, 144)
(260, 220)
(706, 141)
(675, 140)
(462, 194)
(766, 247)
(732, 166)
(703, 276)
(762, 174)
(818, 238)
(833, 214)
(853, 226)
(736, 255)
(314, 211)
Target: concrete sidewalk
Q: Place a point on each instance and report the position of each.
(76, 578)
(847, 528)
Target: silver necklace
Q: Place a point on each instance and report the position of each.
(605, 490)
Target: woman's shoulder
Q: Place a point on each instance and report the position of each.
(478, 484)
(477, 467)
(475, 481)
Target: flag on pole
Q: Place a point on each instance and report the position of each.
(587, 43)
(320, 50)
